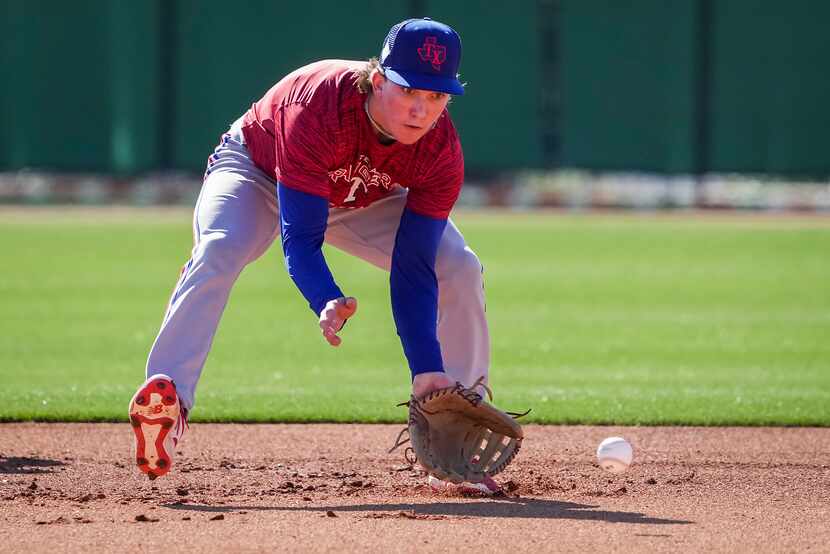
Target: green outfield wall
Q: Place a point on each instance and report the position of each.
(628, 84)
(680, 87)
(770, 87)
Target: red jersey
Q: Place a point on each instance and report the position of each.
(310, 132)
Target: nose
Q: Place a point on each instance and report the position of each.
(418, 110)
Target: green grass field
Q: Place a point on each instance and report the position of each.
(623, 319)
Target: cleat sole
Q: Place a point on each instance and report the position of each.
(154, 411)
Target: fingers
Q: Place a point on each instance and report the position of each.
(331, 336)
(334, 316)
(329, 332)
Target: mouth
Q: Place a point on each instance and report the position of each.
(412, 127)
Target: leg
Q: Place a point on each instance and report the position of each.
(235, 221)
(462, 322)
(369, 234)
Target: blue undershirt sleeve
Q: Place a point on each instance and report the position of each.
(303, 221)
(414, 290)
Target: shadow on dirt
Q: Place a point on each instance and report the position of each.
(505, 508)
(28, 465)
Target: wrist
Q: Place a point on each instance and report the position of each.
(427, 382)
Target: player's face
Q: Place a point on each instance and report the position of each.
(406, 113)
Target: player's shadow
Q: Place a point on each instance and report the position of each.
(27, 465)
(502, 508)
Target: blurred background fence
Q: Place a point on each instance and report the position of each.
(608, 102)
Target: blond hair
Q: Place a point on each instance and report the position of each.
(364, 76)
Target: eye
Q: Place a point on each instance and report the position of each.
(438, 95)
(407, 90)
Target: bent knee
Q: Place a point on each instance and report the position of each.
(461, 266)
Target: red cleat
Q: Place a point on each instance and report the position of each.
(158, 422)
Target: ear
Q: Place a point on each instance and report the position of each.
(378, 79)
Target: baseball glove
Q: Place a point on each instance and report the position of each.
(458, 437)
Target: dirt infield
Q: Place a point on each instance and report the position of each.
(71, 488)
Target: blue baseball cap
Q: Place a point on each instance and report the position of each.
(423, 54)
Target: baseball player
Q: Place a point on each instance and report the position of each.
(360, 155)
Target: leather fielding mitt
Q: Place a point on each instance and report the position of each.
(458, 437)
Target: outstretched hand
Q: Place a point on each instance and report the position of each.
(334, 316)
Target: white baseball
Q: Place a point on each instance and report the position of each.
(614, 454)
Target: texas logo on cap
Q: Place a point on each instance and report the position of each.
(433, 52)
